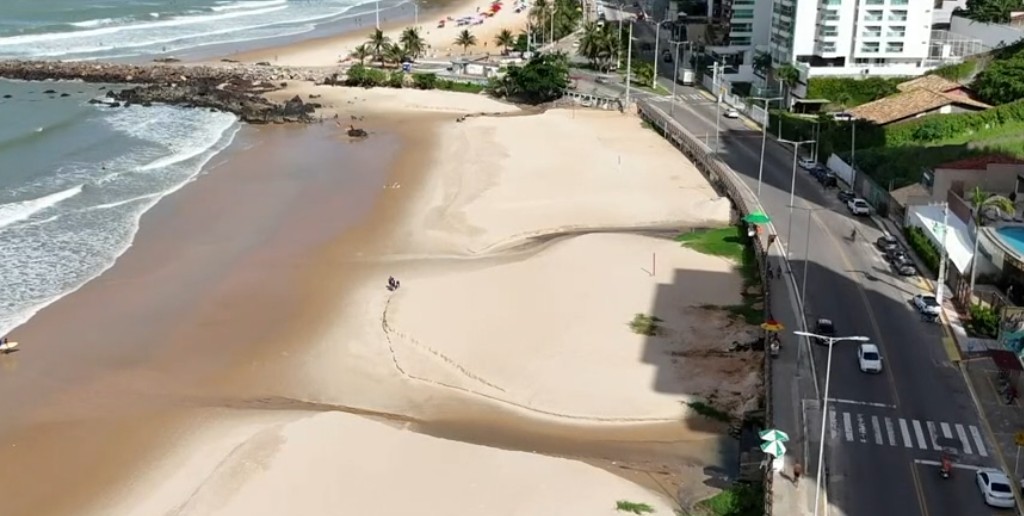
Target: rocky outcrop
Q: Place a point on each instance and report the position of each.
(234, 88)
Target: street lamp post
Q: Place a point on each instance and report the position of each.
(807, 251)
(415, 14)
(718, 105)
(629, 65)
(792, 189)
(764, 139)
(377, 13)
(824, 404)
(657, 38)
(941, 282)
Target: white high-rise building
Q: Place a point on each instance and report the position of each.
(853, 37)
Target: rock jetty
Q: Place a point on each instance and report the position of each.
(234, 88)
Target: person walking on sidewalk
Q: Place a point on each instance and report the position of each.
(797, 471)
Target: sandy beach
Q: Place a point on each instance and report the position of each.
(251, 360)
(331, 50)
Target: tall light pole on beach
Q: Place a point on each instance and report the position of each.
(675, 76)
(792, 189)
(831, 341)
(807, 251)
(415, 14)
(764, 139)
(629, 65)
(657, 38)
(718, 103)
(377, 13)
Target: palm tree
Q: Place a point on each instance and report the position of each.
(505, 40)
(395, 53)
(413, 44)
(789, 75)
(465, 39)
(762, 63)
(361, 53)
(378, 42)
(981, 201)
(598, 45)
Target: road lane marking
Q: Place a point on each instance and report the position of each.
(946, 431)
(878, 430)
(920, 435)
(861, 403)
(890, 430)
(957, 465)
(978, 441)
(933, 434)
(907, 443)
(833, 424)
(862, 428)
(847, 426)
(962, 434)
(917, 488)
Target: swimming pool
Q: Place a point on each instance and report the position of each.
(1013, 236)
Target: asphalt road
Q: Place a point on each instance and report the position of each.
(880, 424)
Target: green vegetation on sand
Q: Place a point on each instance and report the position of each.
(733, 243)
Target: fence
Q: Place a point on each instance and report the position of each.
(728, 182)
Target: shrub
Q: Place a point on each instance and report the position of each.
(643, 324)
(365, 76)
(923, 247)
(938, 128)
(709, 411)
(633, 507)
(984, 321)
(956, 71)
(851, 91)
(424, 81)
(396, 79)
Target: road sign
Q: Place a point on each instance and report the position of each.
(1019, 438)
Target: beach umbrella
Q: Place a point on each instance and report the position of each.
(774, 448)
(757, 217)
(774, 435)
(771, 325)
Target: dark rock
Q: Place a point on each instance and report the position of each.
(115, 104)
(263, 63)
(8, 96)
(65, 94)
(49, 92)
(355, 132)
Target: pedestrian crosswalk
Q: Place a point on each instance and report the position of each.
(691, 96)
(900, 432)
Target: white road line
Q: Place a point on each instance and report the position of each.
(978, 441)
(960, 432)
(907, 443)
(955, 464)
(933, 434)
(847, 427)
(946, 431)
(878, 430)
(861, 403)
(833, 424)
(890, 430)
(921, 443)
(862, 428)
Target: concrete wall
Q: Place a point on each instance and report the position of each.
(990, 34)
(997, 178)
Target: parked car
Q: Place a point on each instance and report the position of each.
(807, 163)
(926, 304)
(886, 242)
(995, 488)
(828, 179)
(897, 255)
(859, 207)
(817, 172)
(904, 267)
(845, 196)
(825, 328)
(731, 113)
(869, 359)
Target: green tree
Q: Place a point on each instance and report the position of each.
(424, 81)
(981, 201)
(1001, 82)
(465, 39)
(378, 43)
(542, 79)
(992, 11)
(643, 73)
(597, 44)
(762, 63)
(505, 40)
(412, 42)
(361, 53)
(789, 75)
(395, 53)
(562, 17)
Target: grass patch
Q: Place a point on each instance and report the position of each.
(643, 324)
(461, 87)
(739, 500)
(633, 507)
(709, 411)
(733, 243)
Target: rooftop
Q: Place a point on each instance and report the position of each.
(929, 82)
(982, 162)
(909, 103)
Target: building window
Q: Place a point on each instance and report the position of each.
(900, 16)
(742, 27)
(870, 47)
(833, 2)
(899, 2)
(742, 2)
(829, 31)
(873, 16)
(741, 41)
(874, 2)
(894, 47)
(828, 46)
(896, 31)
(830, 15)
(871, 31)
(743, 13)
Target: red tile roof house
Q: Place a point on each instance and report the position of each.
(918, 97)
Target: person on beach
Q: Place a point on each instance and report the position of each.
(797, 471)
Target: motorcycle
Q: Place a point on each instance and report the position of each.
(774, 347)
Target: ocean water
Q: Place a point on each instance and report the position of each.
(116, 29)
(75, 179)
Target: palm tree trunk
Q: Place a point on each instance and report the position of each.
(974, 260)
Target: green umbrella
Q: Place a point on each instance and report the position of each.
(774, 435)
(773, 448)
(757, 218)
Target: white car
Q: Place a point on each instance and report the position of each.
(858, 207)
(927, 305)
(731, 113)
(807, 163)
(869, 358)
(995, 487)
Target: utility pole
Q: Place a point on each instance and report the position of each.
(629, 64)
(718, 105)
(940, 288)
(675, 79)
(764, 139)
(792, 189)
(377, 13)
(853, 151)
